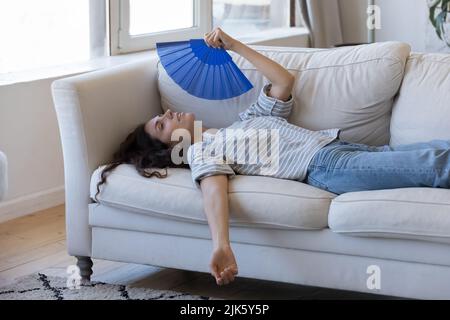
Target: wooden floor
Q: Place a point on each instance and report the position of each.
(36, 243)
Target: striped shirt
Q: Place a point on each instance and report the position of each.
(264, 123)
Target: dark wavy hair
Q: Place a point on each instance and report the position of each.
(145, 153)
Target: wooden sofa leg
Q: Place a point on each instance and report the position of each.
(85, 264)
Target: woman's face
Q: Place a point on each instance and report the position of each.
(162, 126)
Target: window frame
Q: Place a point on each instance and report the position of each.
(122, 42)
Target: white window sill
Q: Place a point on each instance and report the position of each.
(72, 69)
(277, 36)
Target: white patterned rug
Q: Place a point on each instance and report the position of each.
(42, 287)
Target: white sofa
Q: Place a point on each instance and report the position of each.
(390, 242)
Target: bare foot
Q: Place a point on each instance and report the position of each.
(223, 265)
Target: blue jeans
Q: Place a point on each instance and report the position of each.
(343, 167)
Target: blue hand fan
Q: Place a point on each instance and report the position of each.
(203, 71)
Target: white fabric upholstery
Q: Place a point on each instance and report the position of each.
(3, 175)
(411, 213)
(254, 201)
(351, 88)
(422, 109)
(311, 268)
(324, 240)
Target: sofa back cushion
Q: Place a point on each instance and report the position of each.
(351, 88)
(422, 109)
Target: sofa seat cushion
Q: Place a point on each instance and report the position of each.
(254, 201)
(409, 213)
(106, 217)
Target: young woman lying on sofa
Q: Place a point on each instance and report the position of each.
(318, 158)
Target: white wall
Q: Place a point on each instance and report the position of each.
(401, 20)
(404, 20)
(29, 137)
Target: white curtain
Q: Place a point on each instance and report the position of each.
(322, 18)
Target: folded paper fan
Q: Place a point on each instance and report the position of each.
(203, 71)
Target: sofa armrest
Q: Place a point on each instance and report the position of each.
(95, 112)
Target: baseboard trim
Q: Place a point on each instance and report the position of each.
(23, 206)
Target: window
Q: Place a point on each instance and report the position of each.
(145, 20)
(139, 24)
(246, 17)
(44, 33)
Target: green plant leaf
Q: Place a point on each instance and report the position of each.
(432, 14)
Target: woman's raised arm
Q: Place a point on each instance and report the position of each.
(282, 80)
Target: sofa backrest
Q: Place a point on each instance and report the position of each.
(422, 109)
(351, 88)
